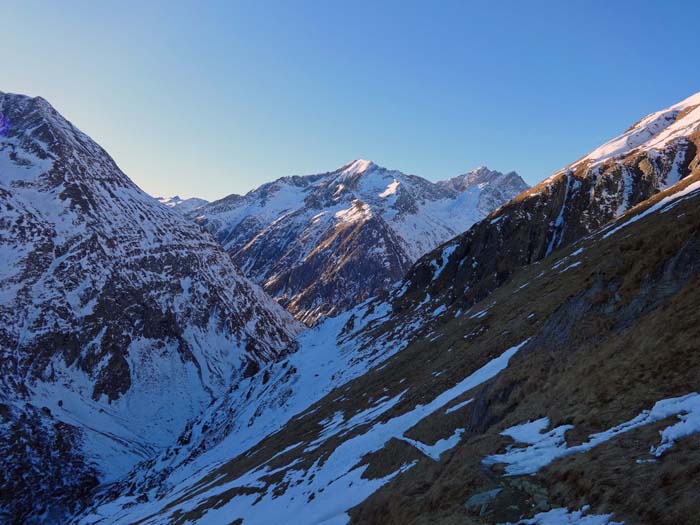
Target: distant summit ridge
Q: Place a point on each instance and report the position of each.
(322, 243)
(182, 205)
(359, 166)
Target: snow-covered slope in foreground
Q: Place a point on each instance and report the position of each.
(119, 319)
(321, 244)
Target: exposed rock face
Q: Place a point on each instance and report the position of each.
(118, 315)
(652, 155)
(321, 244)
(497, 188)
(44, 476)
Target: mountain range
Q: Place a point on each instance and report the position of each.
(321, 244)
(182, 205)
(538, 367)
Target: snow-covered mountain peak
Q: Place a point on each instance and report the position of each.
(480, 170)
(357, 221)
(569, 205)
(358, 166)
(124, 318)
(484, 173)
(38, 136)
(360, 175)
(482, 177)
(652, 133)
(182, 205)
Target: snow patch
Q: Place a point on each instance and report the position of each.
(545, 447)
(563, 516)
(390, 189)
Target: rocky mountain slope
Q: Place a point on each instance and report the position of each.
(321, 244)
(652, 155)
(182, 205)
(545, 373)
(119, 319)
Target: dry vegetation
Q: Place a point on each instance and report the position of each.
(608, 338)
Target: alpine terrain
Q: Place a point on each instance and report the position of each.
(539, 368)
(120, 320)
(321, 244)
(182, 205)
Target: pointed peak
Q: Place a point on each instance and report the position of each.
(483, 176)
(480, 171)
(358, 166)
(477, 175)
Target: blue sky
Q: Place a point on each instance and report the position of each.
(218, 98)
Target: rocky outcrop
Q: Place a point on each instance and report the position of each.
(654, 154)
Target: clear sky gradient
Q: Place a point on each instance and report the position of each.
(211, 98)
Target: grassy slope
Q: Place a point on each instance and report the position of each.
(608, 339)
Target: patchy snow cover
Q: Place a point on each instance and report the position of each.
(357, 212)
(322, 493)
(458, 406)
(559, 222)
(305, 238)
(688, 411)
(442, 445)
(569, 267)
(444, 259)
(664, 205)
(390, 189)
(530, 432)
(563, 516)
(480, 314)
(439, 310)
(545, 447)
